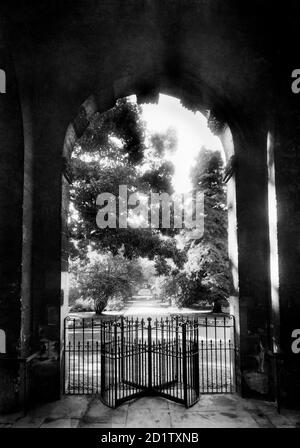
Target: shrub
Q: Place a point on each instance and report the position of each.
(82, 304)
(116, 303)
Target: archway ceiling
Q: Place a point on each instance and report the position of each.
(212, 53)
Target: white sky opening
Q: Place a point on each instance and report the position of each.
(192, 133)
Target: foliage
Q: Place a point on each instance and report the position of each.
(83, 304)
(108, 263)
(206, 273)
(105, 277)
(111, 153)
(115, 304)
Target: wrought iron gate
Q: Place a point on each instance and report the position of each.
(177, 358)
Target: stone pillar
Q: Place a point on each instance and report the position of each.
(53, 140)
(250, 144)
(50, 116)
(287, 181)
(11, 199)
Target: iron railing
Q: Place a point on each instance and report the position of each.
(176, 357)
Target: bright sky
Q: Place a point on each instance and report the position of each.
(192, 133)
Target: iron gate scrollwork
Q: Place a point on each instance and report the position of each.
(174, 357)
(141, 357)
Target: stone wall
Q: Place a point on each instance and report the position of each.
(215, 56)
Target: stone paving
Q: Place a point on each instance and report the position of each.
(212, 411)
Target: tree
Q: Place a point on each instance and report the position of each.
(211, 253)
(206, 272)
(114, 151)
(105, 276)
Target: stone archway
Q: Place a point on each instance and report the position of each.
(193, 55)
(220, 128)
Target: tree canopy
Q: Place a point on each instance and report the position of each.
(106, 276)
(116, 150)
(206, 273)
(113, 152)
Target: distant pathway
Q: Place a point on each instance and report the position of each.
(149, 306)
(142, 306)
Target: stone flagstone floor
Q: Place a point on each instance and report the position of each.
(212, 411)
